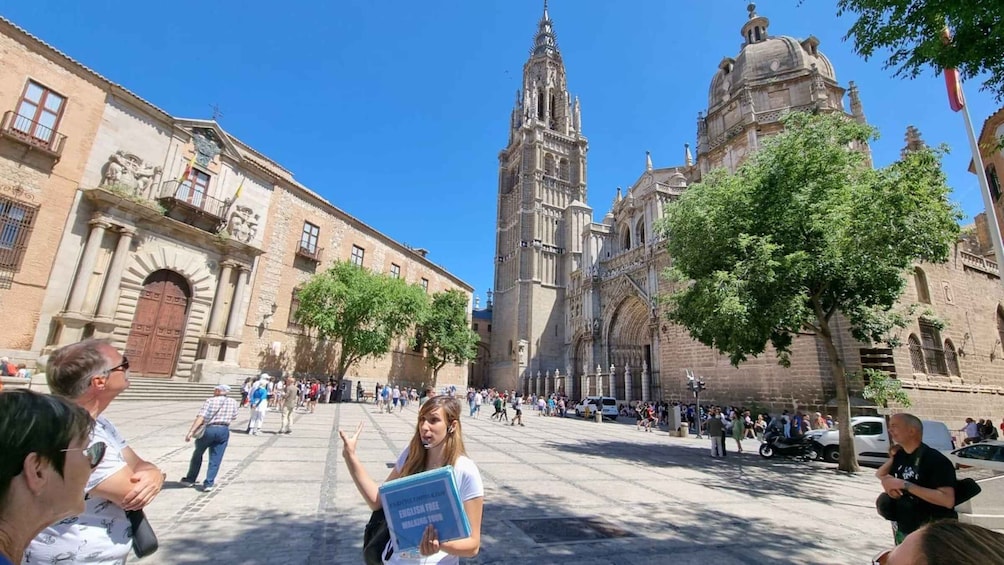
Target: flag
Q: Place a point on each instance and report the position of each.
(187, 171)
(956, 100)
(240, 188)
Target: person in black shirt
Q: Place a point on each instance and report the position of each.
(920, 480)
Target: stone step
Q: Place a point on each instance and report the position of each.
(142, 388)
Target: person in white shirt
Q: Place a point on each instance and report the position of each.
(437, 442)
(92, 373)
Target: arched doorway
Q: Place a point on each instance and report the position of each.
(629, 345)
(159, 324)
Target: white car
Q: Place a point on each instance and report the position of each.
(608, 403)
(871, 439)
(985, 455)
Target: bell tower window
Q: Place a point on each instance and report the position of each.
(540, 104)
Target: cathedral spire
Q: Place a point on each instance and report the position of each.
(545, 42)
(648, 160)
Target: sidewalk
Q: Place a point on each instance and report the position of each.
(556, 490)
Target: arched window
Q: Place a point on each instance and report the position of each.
(920, 281)
(916, 355)
(993, 182)
(626, 239)
(952, 359)
(563, 169)
(549, 165)
(934, 355)
(292, 324)
(540, 104)
(639, 232)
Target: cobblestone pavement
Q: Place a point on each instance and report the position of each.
(556, 490)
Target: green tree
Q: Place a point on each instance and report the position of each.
(359, 310)
(910, 33)
(803, 230)
(445, 332)
(883, 389)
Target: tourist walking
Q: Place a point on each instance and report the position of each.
(437, 442)
(211, 430)
(517, 406)
(716, 431)
(92, 374)
(288, 406)
(738, 430)
(259, 405)
(48, 458)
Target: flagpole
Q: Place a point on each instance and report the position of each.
(988, 204)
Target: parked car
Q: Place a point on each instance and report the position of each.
(608, 406)
(985, 455)
(871, 439)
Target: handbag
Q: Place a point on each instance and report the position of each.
(966, 489)
(376, 537)
(201, 430)
(144, 541)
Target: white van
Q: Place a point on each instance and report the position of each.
(871, 439)
(608, 406)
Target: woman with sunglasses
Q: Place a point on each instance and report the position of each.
(45, 466)
(437, 442)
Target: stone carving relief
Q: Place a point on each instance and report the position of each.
(243, 224)
(128, 171)
(522, 351)
(207, 146)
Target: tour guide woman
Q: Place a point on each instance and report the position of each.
(438, 441)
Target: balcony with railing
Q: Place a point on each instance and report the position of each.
(33, 134)
(624, 261)
(978, 263)
(189, 205)
(308, 251)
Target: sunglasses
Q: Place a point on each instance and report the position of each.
(124, 365)
(94, 453)
(881, 558)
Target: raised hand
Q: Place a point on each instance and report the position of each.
(349, 443)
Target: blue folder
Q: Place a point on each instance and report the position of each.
(411, 503)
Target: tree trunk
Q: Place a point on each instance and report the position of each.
(848, 455)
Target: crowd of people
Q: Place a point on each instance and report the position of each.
(982, 430)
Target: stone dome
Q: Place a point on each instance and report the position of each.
(764, 56)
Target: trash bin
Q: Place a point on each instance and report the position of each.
(599, 416)
(684, 429)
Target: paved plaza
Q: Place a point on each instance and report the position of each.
(557, 490)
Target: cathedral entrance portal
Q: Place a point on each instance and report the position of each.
(629, 347)
(158, 325)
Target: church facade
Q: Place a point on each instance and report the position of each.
(575, 307)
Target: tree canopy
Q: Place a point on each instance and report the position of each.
(446, 333)
(361, 311)
(804, 229)
(910, 33)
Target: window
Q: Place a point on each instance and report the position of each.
(308, 239)
(294, 305)
(425, 285)
(934, 355)
(549, 165)
(395, 270)
(39, 111)
(194, 189)
(868, 429)
(358, 253)
(920, 281)
(16, 221)
(951, 359)
(489, 328)
(475, 326)
(916, 355)
(993, 182)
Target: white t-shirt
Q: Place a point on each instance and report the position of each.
(101, 534)
(468, 480)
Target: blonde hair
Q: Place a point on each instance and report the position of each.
(453, 446)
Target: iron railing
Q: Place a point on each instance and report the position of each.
(184, 195)
(308, 251)
(32, 133)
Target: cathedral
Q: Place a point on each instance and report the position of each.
(575, 307)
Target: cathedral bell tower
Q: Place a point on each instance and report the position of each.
(542, 171)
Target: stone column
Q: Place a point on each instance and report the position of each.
(113, 280)
(537, 385)
(644, 382)
(599, 380)
(627, 384)
(547, 384)
(234, 320)
(79, 289)
(216, 313)
(583, 386)
(613, 382)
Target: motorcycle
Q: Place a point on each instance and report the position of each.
(775, 444)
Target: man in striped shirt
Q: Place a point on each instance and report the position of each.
(216, 413)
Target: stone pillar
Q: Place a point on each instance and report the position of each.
(79, 289)
(537, 385)
(627, 384)
(583, 386)
(644, 382)
(599, 380)
(612, 381)
(216, 313)
(113, 280)
(234, 320)
(547, 384)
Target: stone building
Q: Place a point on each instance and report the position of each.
(481, 324)
(580, 313)
(168, 236)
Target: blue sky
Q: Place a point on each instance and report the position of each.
(395, 110)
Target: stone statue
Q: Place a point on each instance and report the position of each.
(128, 171)
(522, 352)
(243, 224)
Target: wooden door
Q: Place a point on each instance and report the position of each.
(158, 325)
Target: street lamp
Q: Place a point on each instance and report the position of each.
(696, 385)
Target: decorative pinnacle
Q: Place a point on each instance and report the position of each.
(751, 8)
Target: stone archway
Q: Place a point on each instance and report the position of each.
(580, 363)
(629, 343)
(158, 324)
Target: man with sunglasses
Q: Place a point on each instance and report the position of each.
(92, 374)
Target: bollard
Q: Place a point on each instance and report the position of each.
(599, 416)
(684, 429)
